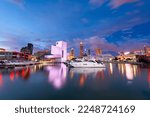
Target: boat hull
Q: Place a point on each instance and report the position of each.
(87, 65)
(86, 70)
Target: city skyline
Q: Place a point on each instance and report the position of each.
(109, 24)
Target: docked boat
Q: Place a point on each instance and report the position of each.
(20, 63)
(87, 64)
(12, 64)
(86, 70)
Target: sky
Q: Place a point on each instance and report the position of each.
(113, 25)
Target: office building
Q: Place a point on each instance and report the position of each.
(89, 52)
(81, 49)
(11, 55)
(147, 50)
(71, 54)
(98, 51)
(28, 49)
(40, 55)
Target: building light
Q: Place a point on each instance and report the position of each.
(126, 53)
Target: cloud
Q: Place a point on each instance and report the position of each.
(19, 3)
(117, 3)
(44, 43)
(109, 26)
(114, 4)
(93, 42)
(84, 20)
(132, 12)
(122, 45)
(137, 43)
(12, 41)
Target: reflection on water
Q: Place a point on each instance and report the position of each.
(84, 73)
(1, 80)
(113, 79)
(22, 72)
(149, 77)
(111, 68)
(129, 71)
(57, 75)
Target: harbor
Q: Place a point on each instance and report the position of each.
(116, 81)
(74, 50)
(60, 75)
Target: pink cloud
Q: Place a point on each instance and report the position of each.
(137, 43)
(94, 42)
(12, 41)
(112, 3)
(117, 3)
(122, 45)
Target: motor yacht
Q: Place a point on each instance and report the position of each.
(87, 64)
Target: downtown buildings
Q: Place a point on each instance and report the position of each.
(24, 54)
(12, 55)
(28, 49)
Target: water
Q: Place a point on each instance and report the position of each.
(116, 81)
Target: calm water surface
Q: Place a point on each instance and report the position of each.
(116, 81)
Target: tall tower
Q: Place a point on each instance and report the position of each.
(89, 52)
(145, 50)
(81, 49)
(30, 47)
(72, 52)
(98, 51)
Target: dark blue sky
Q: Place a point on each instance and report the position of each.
(108, 24)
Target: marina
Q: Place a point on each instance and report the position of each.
(70, 50)
(57, 74)
(57, 81)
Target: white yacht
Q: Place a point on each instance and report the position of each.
(87, 64)
(86, 70)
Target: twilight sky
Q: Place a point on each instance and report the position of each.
(109, 24)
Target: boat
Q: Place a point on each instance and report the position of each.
(87, 64)
(24, 63)
(12, 64)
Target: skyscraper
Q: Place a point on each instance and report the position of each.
(28, 49)
(145, 49)
(98, 51)
(81, 49)
(72, 52)
(89, 52)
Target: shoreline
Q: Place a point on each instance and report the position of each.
(122, 62)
